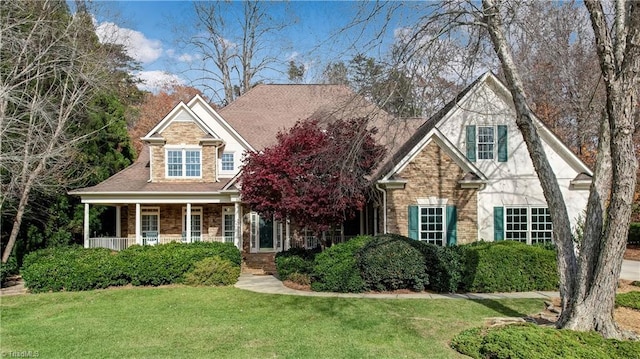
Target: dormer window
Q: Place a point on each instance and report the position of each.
(184, 163)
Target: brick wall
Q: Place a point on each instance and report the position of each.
(433, 174)
(190, 134)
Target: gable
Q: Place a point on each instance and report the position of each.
(487, 103)
(181, 113)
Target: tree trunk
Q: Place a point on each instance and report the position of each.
(588, 283)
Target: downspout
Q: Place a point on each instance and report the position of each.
(384, 208)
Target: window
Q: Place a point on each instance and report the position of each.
(196, 223)
(485, 143)
(184, 163)
(150, 224)
(432, 225)
(529, 225)
(228, 224)
(227, 161)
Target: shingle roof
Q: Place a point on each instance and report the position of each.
(135, 179)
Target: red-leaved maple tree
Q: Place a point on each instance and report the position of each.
(314, 176)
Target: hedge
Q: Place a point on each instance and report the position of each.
(295, 260)
(443, 266)
(336, 268)
(390, 262)
(537, 342)
(213, 271)
(507, 266)
(634, 234)
(75, 268)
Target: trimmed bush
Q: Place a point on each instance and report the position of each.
(443, 266)
(629, 300)
(213, 271)
(389, 262)
(75, 268)
(167, 264)
(507, 266)
(295, 260)
(8, 269)
(634, 234)
(300, 278)
(536, 342)
(336, 269)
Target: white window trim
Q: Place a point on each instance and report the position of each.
(444, 223)
(194, 211)
(149, 211)
(495, 142)
(184, 149)
(235, 163)
(529, 230)
(228, 211)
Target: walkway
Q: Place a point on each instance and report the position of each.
(630, 270)
(271, 285)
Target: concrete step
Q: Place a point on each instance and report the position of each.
(259, 263)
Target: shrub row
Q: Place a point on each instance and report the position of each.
(634, 234)
(390, 262)
(76, 268)
(531, 341)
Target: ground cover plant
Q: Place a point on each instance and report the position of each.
(629, 300)
(226, 322)
(537, 342)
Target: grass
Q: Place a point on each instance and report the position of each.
(629, 300)
(231, 323)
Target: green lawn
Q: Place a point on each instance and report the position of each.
(231, 323)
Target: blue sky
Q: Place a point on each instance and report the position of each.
(151, 31)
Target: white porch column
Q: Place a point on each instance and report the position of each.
(237, 233)
(287, 235)
(86, 225)
(118, 222)
(138, 225)
(188, 225)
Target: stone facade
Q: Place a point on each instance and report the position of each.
(190, 135)
(433, 174)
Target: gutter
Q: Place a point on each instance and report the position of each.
(384, 208)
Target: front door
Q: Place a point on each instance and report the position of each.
(266, 234)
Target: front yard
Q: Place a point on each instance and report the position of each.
(179, 321)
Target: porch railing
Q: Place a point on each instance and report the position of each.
(120, 243)
(310, 242)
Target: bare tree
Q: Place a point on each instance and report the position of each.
(52, 66)
(588, 281)
(234, 43)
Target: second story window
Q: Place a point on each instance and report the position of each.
(184, 163)
(485, 143)
(227, 161)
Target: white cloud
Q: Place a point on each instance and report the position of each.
(137, 45)
(293, 56)
(185, 58)
(156, 80)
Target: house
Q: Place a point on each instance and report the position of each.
(460, 176)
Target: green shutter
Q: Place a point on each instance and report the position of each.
(498, 223)
(413, 222)
(471, 143)
(452, 231)
(502, 143)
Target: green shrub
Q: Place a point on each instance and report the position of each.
(536, 342)
(73, 269)
(300, 278)
(167, 264)
(636, 283)
(629, 300)
(213, 271)
(634, 234)
(8, 269)
(443, 266)
(295, 260)
(507, 266)
(336, 269)
(390, 262)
